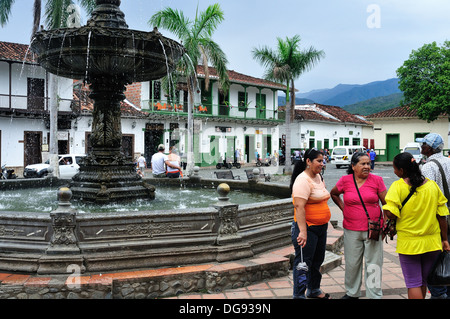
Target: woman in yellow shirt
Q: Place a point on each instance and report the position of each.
(421, 223)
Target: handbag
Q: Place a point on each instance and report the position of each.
(440, 273)
(374, 226)
(390, 226)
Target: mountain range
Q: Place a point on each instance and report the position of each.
(361, 99)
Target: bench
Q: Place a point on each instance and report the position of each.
(226, 175)
(249, 173)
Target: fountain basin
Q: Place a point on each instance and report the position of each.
(89, 52)
(36, 243)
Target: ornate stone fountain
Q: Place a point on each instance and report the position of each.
(108, 56)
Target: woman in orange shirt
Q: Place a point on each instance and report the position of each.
(311, 217)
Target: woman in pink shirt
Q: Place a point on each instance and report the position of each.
(357, 245)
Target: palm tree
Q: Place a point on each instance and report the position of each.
(195, 35)
(286, 64)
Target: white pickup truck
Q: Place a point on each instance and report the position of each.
(68, 167)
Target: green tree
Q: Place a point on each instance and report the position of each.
(196, 36)
(286, 64)
(425, 80)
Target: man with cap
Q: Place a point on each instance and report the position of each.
(432, 147)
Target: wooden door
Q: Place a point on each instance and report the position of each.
(32, 148)
(36, 94)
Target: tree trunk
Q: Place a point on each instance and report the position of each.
(190, 129)
(289, 111)
(53, 143)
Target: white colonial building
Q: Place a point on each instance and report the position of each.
(325, 126)
(396, 127)
(244, 119)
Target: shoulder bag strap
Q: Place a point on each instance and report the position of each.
(444, 179)
(408, 197)
(362, 202)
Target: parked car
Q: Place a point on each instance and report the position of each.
(342, 155)
(415, 150)
(68, 167)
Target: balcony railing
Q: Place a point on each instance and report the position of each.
(212, 110)
(32, 104)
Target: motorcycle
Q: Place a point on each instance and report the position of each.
(228, 164)
(7, 173)
(237, 165)
(267, 162)
(224, 164)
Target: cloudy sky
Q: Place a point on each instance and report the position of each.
(364, 40)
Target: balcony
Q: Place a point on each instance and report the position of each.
(217, 112)
(37, 107)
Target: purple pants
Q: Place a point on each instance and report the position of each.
(416, 268)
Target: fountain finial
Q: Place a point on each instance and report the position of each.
(107, 14)
(115, 2)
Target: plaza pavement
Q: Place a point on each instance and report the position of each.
(393, 284)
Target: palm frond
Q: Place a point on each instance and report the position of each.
(207, 22)
(218, 60)
(266, 57)
(5, 11)
(196, 38)
(306, 60)
(56, 14)
(88, 5)
(172, 20)
(288, 62)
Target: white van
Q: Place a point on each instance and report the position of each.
(342, 155)
(415, 150)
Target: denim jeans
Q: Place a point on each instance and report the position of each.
(313, 256)
(439, 292)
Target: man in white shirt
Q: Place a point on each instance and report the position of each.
(432, 146)
(158, 162)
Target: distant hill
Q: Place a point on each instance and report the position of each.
(347, 94)
(298, 101)
(375, 105)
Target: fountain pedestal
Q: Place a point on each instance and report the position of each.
(106, 175)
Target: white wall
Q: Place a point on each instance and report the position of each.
(20, 73)
(407, 128)
(12, 139)
(301, 133)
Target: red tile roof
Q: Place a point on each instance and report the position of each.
(16, 52)
(304, 115)
(396, 112)
(328, 113)
(87, 104)
(236, 77)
